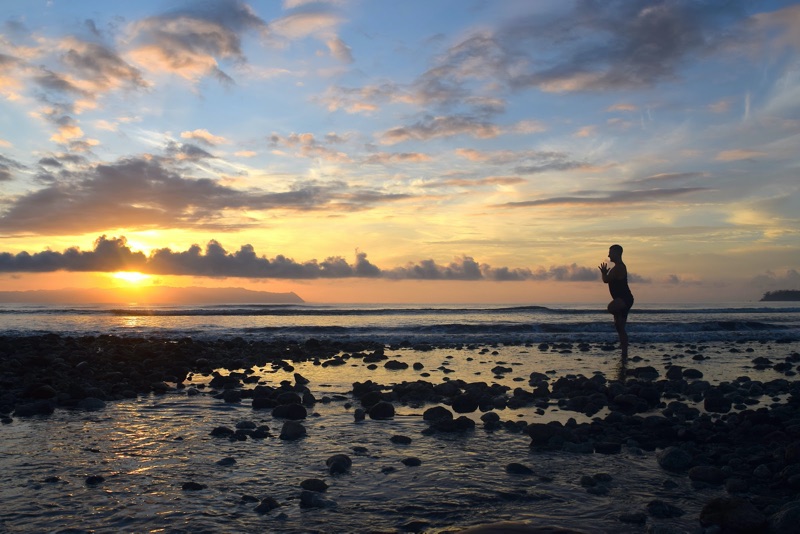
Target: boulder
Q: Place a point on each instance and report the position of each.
(464, 403)
(266, 505)
(707, 473)
(437, 413)
(382, 410)
(733, 514)
(292, 430)
(338, 464)
(674, 459)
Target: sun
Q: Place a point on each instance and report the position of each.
(131, 277)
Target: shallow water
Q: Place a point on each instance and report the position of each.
(147, 448)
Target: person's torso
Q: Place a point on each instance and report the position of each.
(618, 287)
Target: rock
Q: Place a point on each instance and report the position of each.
(91, 404)
(300, 379)
(395, 365)
(43, 392)
(338, 464)
(733, 514)
(292, 430)
(400, 440)
(222, 432)
(314, 484)
(518, 469)
(437, 413)
(736, 485)
(359, 414)
(289, 397)
(267, 505)
(706, 473)
(193, 486)
(692, 374)
(762, 471)
(464, 403)
(262, 403)
(786, 520)
(607, 447)
(312, 499)
(295, 412)
(717, 404)
(412, 462)
(41, 407)
(674, 459)
(226, 462)
(381, 411)
(232, 396)
(675, 372)
(462, 424)
(94, 480)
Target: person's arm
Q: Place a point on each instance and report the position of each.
(604, 272)
(618, 272)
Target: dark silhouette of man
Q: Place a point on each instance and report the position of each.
(617, 280)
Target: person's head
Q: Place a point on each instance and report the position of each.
(615, 253)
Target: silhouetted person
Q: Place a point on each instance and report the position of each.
(617, 280)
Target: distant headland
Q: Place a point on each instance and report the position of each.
(781, 295)
(151, 295)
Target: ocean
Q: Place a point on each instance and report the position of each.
(434, 324)
(125, 467)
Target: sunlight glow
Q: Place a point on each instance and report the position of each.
(131, 277)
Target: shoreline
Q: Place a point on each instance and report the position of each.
(741, 436)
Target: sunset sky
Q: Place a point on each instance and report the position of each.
(414, 151)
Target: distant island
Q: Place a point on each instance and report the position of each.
(150, 295)
(781, 295)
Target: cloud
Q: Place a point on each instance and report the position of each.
(68, 130)
(620, 45)
(339, 50)
(386, 158)
(738, 154)
(622, 107)
(204, 136)
(442, 126)
(94, 67)
(300, 25)
(667, 177)
(184, 152)
(308, 146)
(608, 198)
(109, 255)
(153, 192)
(475, 182)
(114, 254)
(771, 280)
(7, 166)
(191, 42)
(592, 46)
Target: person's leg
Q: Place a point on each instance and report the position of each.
(619, 323)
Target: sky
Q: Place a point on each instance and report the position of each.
(415, 151)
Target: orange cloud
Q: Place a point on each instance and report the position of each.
(738, 154)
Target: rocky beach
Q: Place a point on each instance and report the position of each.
(358, 436)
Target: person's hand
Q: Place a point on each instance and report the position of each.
(603, 268)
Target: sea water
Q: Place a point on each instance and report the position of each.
(422, 323)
